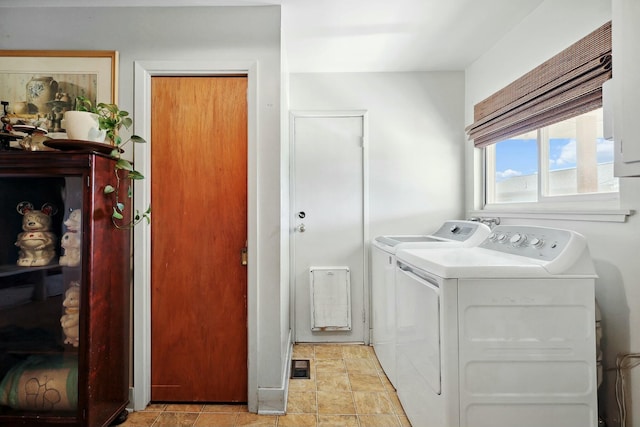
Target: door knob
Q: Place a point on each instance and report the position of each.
(301, 228)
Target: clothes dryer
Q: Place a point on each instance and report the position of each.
(383, 261)
(498, 335)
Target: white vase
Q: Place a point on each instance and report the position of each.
(83, 125)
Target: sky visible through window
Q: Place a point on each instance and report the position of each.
(518, 157)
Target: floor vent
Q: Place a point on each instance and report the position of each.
(300, 369)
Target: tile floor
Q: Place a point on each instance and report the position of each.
(347, 388)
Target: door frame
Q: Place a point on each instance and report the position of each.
(140, 394)
(366, 304)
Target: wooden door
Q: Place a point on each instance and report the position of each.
(199, 199)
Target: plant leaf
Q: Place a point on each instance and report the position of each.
(116, 214)
(135, 175)
(136, 138)
(108, 189)
(124, 164)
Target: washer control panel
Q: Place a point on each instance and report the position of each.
(534, 242)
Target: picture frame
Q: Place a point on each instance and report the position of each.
(38, 86)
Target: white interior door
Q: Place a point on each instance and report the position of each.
(328, 255)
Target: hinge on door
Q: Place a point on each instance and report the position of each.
(364, 316)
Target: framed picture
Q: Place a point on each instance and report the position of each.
(38, 86)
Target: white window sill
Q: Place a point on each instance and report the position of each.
(570, 215)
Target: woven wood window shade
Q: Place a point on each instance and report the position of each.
(565, 86)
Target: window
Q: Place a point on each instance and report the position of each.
(567, 160)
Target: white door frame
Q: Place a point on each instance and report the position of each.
(140, 395)
(366, 304)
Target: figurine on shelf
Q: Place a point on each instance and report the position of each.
(71, 317)
(71, 242)
(74, 221)
(36, 242)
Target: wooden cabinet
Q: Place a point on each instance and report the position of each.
(64, 325)
(626, 86)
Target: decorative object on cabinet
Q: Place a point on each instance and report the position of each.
(70, 241)
(34, 138)
(41, 383)
(74, 220)
(83, 126)
(70, 320)
(111, 119)
(64, 354)
(40, 84)
(36, 242)
(71, 244)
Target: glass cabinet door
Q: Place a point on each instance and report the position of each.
(41, 294)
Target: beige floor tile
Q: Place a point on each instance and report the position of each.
(404, 421)
(216, 419)
(302, 402)
(330, 365)
(335, 403)
(302, 385)
(140, 419)
(366, 382)
(372, 403)
(378, 421)
(254, 420)
(303, 351)
(179, 407)
(333, 382)
(338, 421)
(347, 389)
(328, 351)
(297, 420)
(395, 402)
(224, 408)
(387, 384)
(360, 364)
(155, 407)
(356, 351)
(176, 419)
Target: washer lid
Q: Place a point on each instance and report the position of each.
(451, 233)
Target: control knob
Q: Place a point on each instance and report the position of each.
(454, 229)
(518, 239)
(536, 243)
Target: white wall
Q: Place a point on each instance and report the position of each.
(415, 141)
(614, 246)
(195, 34)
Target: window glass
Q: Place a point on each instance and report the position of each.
(580, 159)
(516, 169)
(567, 159)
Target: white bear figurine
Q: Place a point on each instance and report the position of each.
(70, 244)
(70, 320)
(74, 221)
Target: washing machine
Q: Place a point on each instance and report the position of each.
(498, 335)
(451, 234)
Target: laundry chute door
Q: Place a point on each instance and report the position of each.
(328, 228)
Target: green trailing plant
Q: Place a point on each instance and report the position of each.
(112, 119)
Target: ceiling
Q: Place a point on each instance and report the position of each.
(369, 35)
